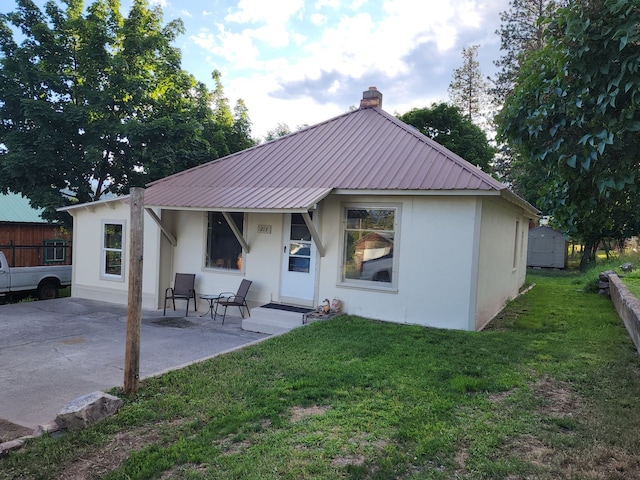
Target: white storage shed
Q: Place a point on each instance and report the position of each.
(547, 248)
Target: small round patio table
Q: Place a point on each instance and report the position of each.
(212, 303)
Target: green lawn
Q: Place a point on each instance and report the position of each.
(549, 391)
(632, 280)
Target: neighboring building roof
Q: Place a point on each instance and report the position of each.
(362, 150)
(15, 208)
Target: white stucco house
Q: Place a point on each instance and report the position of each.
(361, 207)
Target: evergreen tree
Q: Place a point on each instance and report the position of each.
(468, 88)
(520, 32)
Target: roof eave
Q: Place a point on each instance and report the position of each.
(93, 205)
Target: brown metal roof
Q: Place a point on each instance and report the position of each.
(366, 149)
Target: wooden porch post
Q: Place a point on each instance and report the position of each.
(134, 310)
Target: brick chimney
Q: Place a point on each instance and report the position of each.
(371, 98)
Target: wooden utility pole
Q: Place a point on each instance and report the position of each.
(134, 310)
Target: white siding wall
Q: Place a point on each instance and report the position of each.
(261, 265)
(87, 251)
(498, 279)
(434, 245)
(453, 271)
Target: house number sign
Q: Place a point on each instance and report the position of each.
(264, 229)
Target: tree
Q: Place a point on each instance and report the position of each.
(468, 88)
(574, 117)
(93, 103)
(446, 125)
(520, 32)
(278, 131)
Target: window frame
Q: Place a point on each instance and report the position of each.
(53, 245)
(516, 248)
(103, 251)
(343, 281)
(241, 257)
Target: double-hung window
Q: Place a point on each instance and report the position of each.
(368, 245)
(113, 250)
(223, 249)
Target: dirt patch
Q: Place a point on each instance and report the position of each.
(461, 458)
(355, 458)
(110, 456)
(344, 460)
(530, 449)
(596, 463)
(298, 413)
(184, 471)
(559, 400)
(11, 431)
(609, 463)
(500, 396)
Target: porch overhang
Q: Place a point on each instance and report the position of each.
(235, 199)
(227, 200)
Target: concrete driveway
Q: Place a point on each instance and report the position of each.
(54, 351)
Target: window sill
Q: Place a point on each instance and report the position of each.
(225, 271)
(112, 278)
(380, 287)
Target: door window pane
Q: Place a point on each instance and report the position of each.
(300, 245)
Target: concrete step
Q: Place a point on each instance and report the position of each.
(271, 321)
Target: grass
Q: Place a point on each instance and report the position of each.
(548, 391)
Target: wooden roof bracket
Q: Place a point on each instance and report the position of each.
(236, 231)
(163, 228)
(314, 233)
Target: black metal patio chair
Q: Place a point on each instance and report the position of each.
(230, 299)
(183, 289)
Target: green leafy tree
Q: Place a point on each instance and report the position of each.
(280, 130)
(93, 103)
(446, 125)
(468, 87)
(574, 119)
(521, 33)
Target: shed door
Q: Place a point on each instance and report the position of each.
(542, 251)
(298, 277)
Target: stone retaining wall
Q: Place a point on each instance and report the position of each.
(627, 306)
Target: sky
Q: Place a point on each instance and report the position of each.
(300, 62)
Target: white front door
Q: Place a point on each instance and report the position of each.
(298, 278)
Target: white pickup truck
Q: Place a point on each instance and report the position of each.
(45, 281)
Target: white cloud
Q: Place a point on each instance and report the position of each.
(186, 13)
(327, 3)
(318, 19)
(255, 11)
(236, 48)
(266, 111)
(356, 46)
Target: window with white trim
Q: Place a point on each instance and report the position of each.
(368, 245)
(113, 250)
(223, 248)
